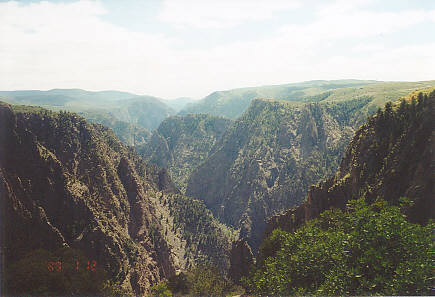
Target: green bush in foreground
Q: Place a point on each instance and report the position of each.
(365, 250)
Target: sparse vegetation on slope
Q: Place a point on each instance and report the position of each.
(267, 159)
(201, 280)
(207, 240)
(67, 183)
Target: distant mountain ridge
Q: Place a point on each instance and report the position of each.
(74, 97)
(179, 103)
(232, 103)
(131, 116)
(29, 97)
(145, 111)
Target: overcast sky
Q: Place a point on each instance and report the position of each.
(191, 48)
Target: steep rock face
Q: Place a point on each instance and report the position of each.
(64, 185)
(390, 156)
(65, 182)
(267, 159)
(194, 234)
(241, 260)
(181, 143)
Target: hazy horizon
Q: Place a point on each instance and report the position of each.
(179, 97)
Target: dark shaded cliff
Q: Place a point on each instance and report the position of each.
(68, 183)
(241, 260)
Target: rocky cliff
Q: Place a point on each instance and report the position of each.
(267, 159)
(67, 183)
(390, 156)
(181, 143)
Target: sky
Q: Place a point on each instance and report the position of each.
(190, 48)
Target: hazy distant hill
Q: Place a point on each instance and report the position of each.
(67, 98)
(128, 133)
(233, 103)
(179, 103)
(129, 115)
(145, 111)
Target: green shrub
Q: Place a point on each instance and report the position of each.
(161, 290)
(365, 250)
(201, 280)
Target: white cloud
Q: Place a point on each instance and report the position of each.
(355, 24)
(340, 7)
(53, 45)
(221, 14)
(46, 43)
(409, 62)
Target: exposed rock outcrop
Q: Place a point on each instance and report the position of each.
(181, 143)
(66, 182)
(391, 156)
(265, 162)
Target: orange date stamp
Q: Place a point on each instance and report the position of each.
(56, 266)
